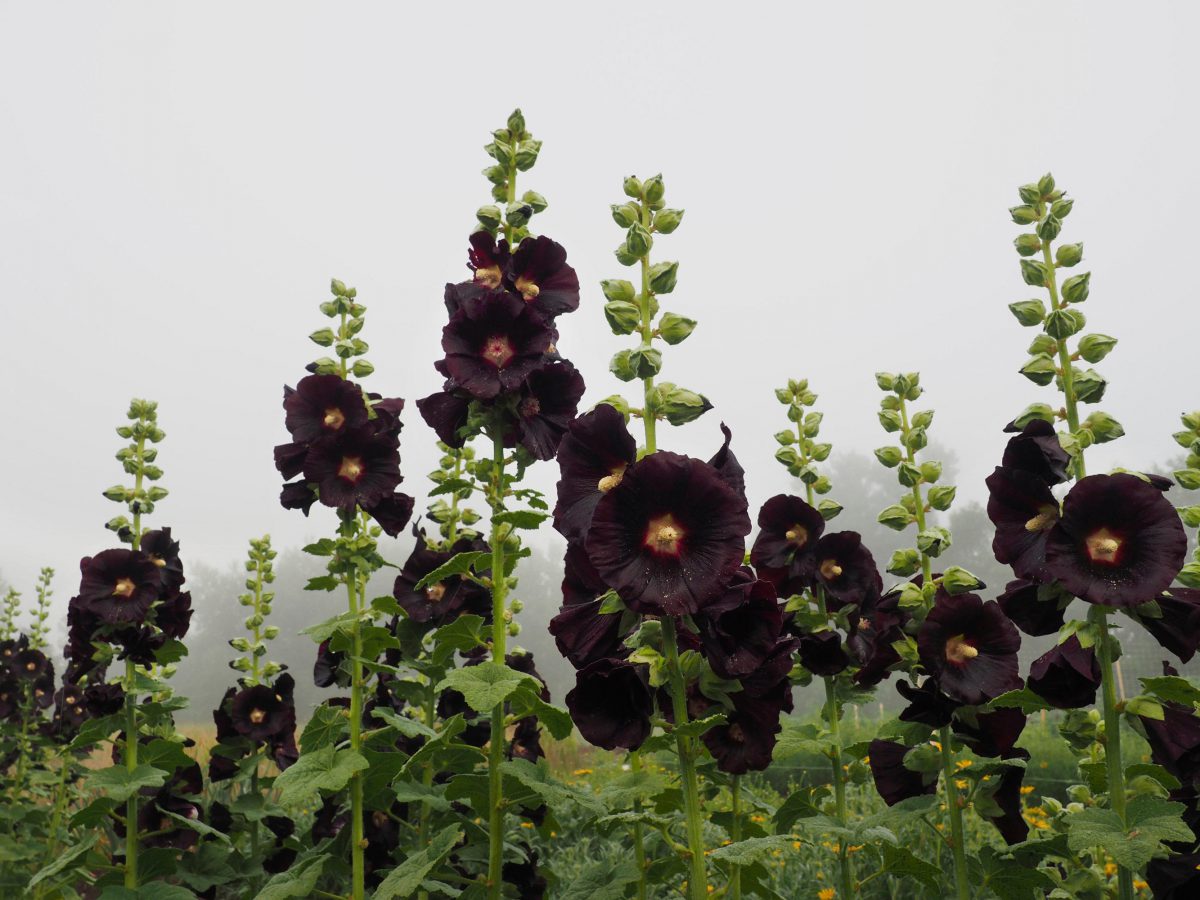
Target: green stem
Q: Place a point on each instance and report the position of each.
(918, 496)
(452, 523)
(639, 846)
(430, 709)
(1113, 759)
(357, 842)
(1064, 358)
(953, 800)
(499, 640)
(698, 879)
(735, 834)
(649, 413)
(131, 752)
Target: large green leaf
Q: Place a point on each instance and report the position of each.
(120, 783)
(324, 729)
(458, 564)
(298, 881)
(743, 853)
(325, 770)
(406, 878)
(899, 861)
(553, 793)
(486, 685)
(597, 881)
(1149, 822)
(65, 860)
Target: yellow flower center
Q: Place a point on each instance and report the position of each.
(334, 418)
(797, 534)
(435, 592)
(608, 482)
(1045, 519)
(958, 651)
(124, 588)
(498, 351)
(1103, 547)
(351, 468)
(663, 535)
(830, 569)
(489, 277)
(527, 289)
(257, 716)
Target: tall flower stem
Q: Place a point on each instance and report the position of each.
(639, 846)
(698, 878)
(499, 641)
(1064, 359)
(735, 834)
(649, 415)
(357, 840)
(131, 749)
(1114, 762)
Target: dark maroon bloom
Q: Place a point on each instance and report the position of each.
(1120, 542)
(1175, 741)
(1024, 511)
(1011, 822)
(487, 260)
(446, 600)
(1178, 628)
(139, 644)
(446, 413)
(581, 583)
(298, 495)
(746, 740)
(1037, 609)
(740, 629)
(104, 699)
(769, 682)
(10, 648)
(549, 399)
(926, 704)
(893, 781)
(289, 458)
(327, 670)
(727, 464)
(592, 458)
(540, 274)
(992, 733)
(31, 665)
(1067, 676)
(12, 695)
(392, 513)
(164, 552)
(584, 635)
(822, 653)
(119, 586)
(161, 830)
(493, 343)
(970, 647)
(356, 467)
(174, 614)
(1037, 450)
(322, 406)
(526, 878)
(70, 708)
(846, 570)
(1175, 878)
(611, 704)
(261, 712)
(784, 552)
(526, 740)
(329, 819)
(669, 537)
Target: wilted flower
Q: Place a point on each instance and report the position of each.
(1011, 822)
(992, 733)
(1177, 628)
(1024, 510)
(174, 614)
(926, 704)
(1066, 676)
(611, 704)
(446, 412)
(1037, 450)
(164, 553)
(970, 647)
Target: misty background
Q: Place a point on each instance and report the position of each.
(180, 183)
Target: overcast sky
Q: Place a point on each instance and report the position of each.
(180, 182)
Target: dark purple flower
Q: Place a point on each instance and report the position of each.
(487, 260)
(1037, 450)
(669, 537)
(263, 711)
(592, 458)
(540, 274)
(392, 513)
(526, 740)
(327, 670)
(581, 583)
(493, 343)
(1175, 878)
(739, 630)
(1178, 626)
(847, 571)
(784, 552)
(926, 704)
(445, 600)
(322, 406)
(746, 740)
(727, 464)
(584, 635)
(119, 586)
(822, 653)
(993, 733)
(174, 614)
(549, 399)
(1066, 676)
(298, 495)
(611, 704)
(970, 647)
(1037, 609)
(356, 467)
(893, 781)
(1011, 822)
(104, 699)
(526, 878)
(1119, 543)
(446, 413)
(1024, 511)
(164, 553)
(1175, 741)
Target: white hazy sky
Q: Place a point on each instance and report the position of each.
(179, 182)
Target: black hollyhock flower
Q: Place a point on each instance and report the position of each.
(174, 614)
(846, 570)
(992, 733)
(669, 537)
(321, 406)
(282, 747)
(12, 695)
(1011, 822)
(1120, 542)
(289, 459)
(970, 647)
(584, 635)
(329, 820)
(1024, 511)
(446, 413)
(1178, 628)
(1175, 741)
(870, 644)
(892, 780)
(261, 712)
(31, 665)
(327, 670)
(104, 699)
(739, 630)
(446, 600)
(1174, 878)
(581, 583)
(526, 878)
(70, 708)
(493, 343)
(119, 586)
(746, 740)
(526, 740)
(139, 644)
(592, 458)
(1067, 676)
(611, 704)
(487, 260)
(926, 704)
(159, 829)
(727, 464)
(549, 399)
(452, 703)
(1034, 608)
(784, 552)
(298, 495)
(1037, 450)
(540, 274)
(769, 682)
(822, 653)
(164, 552)
(392, 513)
(357, 467)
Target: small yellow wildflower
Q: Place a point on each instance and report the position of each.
(526, 824)
(579, 772)
(1139, 885)
(796, 845)
(963, 763)
(960, 783)
(826, 894)
(758, 820)
(1027, 789)
(1110, 869)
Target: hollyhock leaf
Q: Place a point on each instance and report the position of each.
(555, 794)
(1023, 699)
(324, 729)
(459, 564)
(901, 862)
(487, 685)
(120, 783)
(1145, 707)
(326, 769)
(697, 727)
(65, 859)
(1172, 689)
(527, 702)
(298, 881)
(800, 804)
(520, 518)
(1157, 773)
(1014, 882)
(405, 880)
(752, 850)
(1150, 822)
(599, 881)
(197, 826)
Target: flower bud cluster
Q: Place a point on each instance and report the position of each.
(137, 459)
(514, 150)
(260, 566)
(800, 450)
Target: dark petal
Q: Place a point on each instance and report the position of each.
(392, 513)
(1032, 607)
(846, 570)
(495, 315)
(597, 445)
(611, 704)
(1067, 676)
(446, 413)
(442, 602)
(1024, 510)
(745, 742)
(992, 733)
(1011, 822)
(580, 583)
(1152, 542)
(540, 274)
(822, 653)
(322, 405)
(298, 495)
(174, 615)
(327, 669)
(118, 586)
(1175, 741)
(779, 558)
(549, 400)
(583, 635)
(1178, 628)
(892, 780)
(164, 551)
(926, 704)
(1038, 451)
(966, 621)
(740, 630)
(377, 457)
(727, 465)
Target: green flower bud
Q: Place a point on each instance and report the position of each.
(516, 123)
(326, 366)
(1028, 312)
(362, 368)
(957, 580)
(323, 337)
(889, 456)
(1062, 323)
(885, 380)
(1033, 272)
(674, 329)
(667, 220)
(890, 420)
(896, 517)
(624, 257)
(916, 439)
(679, 405)
(654, 189)
(623, 317)
(624, 214)
(337, 288)
(904, 562)
(1191, 420)
(1027, 244)
(822, 485)
(1023, 215)
(117, 493)
(1069, 255)
(535, 201)
(663, 276)
(1076, 288)
(489, 216)
(1030, 194)
(941, 496)
(931, 471)
(1186, 439)
(829, 509)
(500, 193)
(1104, 428)
(820, 452)
(785, 438)
(495, 174)
(1189, 575)
(908, 474)
(1046, 186)
(933, 541)
(812, 423)
(622, 365)
(632, 187)
(1094, 347)
(1061, 208)
(1188, 479)
(618, 289)
(783, 395)
(638, 240)
(923, 419)
(517, 213)
(527, 154)
(1040, 370)
(787, 456)
(156, 493)
(647, 361)
(1043, 343)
